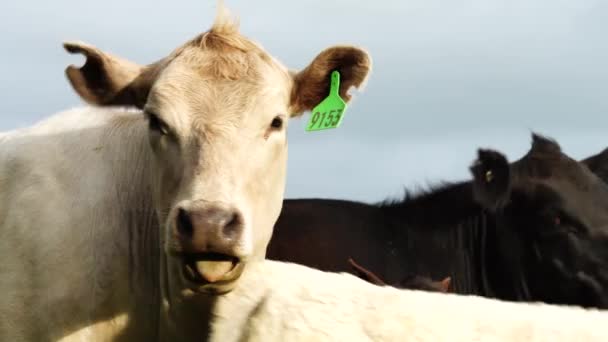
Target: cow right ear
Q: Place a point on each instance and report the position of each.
(491, 179)
(312, 84)
(366, 274)
(598, 164)
(106, 80)
(444, 285)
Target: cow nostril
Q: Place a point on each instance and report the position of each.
(184, 224)
(233, 225)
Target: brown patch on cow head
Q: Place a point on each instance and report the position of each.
(312, 84)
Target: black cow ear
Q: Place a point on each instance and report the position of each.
(491, 179)
(598, 164)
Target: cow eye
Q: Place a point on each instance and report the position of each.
(277, 122)
(564, 222)
(557, 221)
(156, 124)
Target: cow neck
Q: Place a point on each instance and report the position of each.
(132, 161)
(446, 217)
(442, 206)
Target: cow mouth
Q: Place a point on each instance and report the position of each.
(211, 269)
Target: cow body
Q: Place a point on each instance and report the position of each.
(68, 262)
(288, 302)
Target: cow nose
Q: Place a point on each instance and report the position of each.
(210, 228)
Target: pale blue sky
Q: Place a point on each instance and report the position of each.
(449, 76)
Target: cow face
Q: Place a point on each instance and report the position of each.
(545, 205)
(217, 111)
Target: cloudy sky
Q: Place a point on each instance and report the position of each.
(449, 76)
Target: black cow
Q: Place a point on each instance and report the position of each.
(549, 226)
(528, 231)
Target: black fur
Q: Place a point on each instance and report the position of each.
(503, 239)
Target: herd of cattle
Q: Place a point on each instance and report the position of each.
(156, 213)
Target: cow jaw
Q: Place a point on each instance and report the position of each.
(211, 272)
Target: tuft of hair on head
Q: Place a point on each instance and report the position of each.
(543, 144)
(225, 23)
(224, 35)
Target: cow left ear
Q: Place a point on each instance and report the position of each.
(106, 80)
(491, 179)
(311, 85)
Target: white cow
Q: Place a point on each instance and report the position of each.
(276, 301)
(167, 187)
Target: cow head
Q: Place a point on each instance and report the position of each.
(217, 110)
(544, 205)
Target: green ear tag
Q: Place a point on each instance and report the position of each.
(328, 113)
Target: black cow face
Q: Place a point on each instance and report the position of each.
(551, 215)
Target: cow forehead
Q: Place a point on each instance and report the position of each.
(556, 167)
(568, 179)
(219, 57)
(226, 85)
(563, 180)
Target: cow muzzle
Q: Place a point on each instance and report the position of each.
(207, 239)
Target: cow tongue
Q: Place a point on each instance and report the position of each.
(213, 271)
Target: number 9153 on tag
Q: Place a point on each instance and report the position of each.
(325, 120)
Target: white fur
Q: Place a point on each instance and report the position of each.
(88, 198)
(69, 262)
(278, 301)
